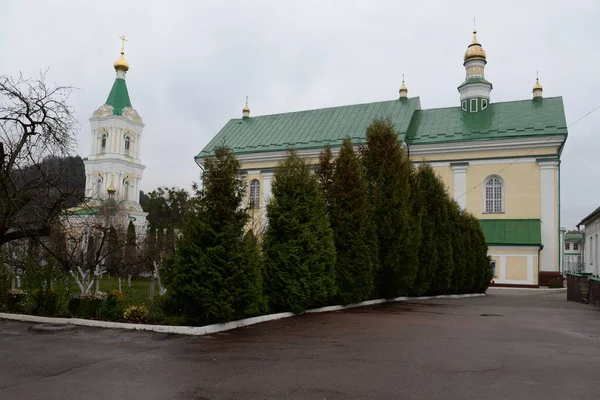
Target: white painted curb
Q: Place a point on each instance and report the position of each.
(215, 328)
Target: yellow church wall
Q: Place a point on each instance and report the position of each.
(447, 176)
(516, 268)
(522, 190)
(515, 265)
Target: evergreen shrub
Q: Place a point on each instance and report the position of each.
(298, 245)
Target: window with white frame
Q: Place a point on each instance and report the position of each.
(494, 195)
(473, 105)
(493, 267)
(575, 246)
(127, 145)
(567, 246)
(254, 200)
(464, 105)
(484, 104)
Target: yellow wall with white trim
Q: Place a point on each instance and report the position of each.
(522, 190)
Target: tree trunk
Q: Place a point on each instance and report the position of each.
(129, 280)
(97, 284)
(120, 290)
(151, 288)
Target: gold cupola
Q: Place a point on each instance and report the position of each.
(403, 90)
(475, 51)
(246, 110)
(537, 89)
(121, 64)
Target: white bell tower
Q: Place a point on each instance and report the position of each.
(114, 165)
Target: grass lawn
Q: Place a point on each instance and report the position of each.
(134, 295)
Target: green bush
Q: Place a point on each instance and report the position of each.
(44, 302)
(112, 307)
(388, 172)
(212, 277)
(15, 300)
(354, 233)
(298, 245)
(136, 314)
(90, 305)
(73, 305)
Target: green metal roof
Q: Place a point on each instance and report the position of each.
(474, 80)
(310, 129)
(314, 128)
(118, 97)
(570, 237)
(512, 232)
(513, 119)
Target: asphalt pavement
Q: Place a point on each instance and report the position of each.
(511, 344)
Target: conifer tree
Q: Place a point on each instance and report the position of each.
(351, 221)
(130, 256)
(483, 271)
(114, 252)
(469, 240)
(428, 251)
(458, 248)
(324, 171)
(298, 244)
(209, 277)
(388, 175)
(438, 203)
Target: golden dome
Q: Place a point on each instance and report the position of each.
(403, 87)
(475, 50)
(111, 188)
(121, 64)
(537, 85)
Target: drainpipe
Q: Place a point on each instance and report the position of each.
(559, 246)
(539, 261)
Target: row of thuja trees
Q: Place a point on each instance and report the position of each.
(365, 225)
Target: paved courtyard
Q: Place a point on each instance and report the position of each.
(511, 344)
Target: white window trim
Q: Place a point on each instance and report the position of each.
(503, 198)
(473, 109)
(493, 265)
(484, 104)
(256, 203)
(464, 105)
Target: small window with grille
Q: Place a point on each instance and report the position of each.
(494, 195)
(254, 201)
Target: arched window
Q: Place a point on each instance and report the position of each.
(103, 143)
(127, 145)
(494, 195)
(98, 187)
(126, 189)
(254, 194)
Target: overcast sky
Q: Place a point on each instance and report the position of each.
(193, 62)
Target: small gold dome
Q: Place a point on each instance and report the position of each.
(111, 188)
(403, 87)
(537, 85)
(121, 64)
(246, 108)
(475, 50)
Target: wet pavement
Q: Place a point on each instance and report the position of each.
(511, 344)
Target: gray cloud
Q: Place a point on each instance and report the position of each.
(192, 64)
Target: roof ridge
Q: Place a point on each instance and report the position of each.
(325, 108)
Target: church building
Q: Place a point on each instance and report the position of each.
(114, 168)
(500, 161)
